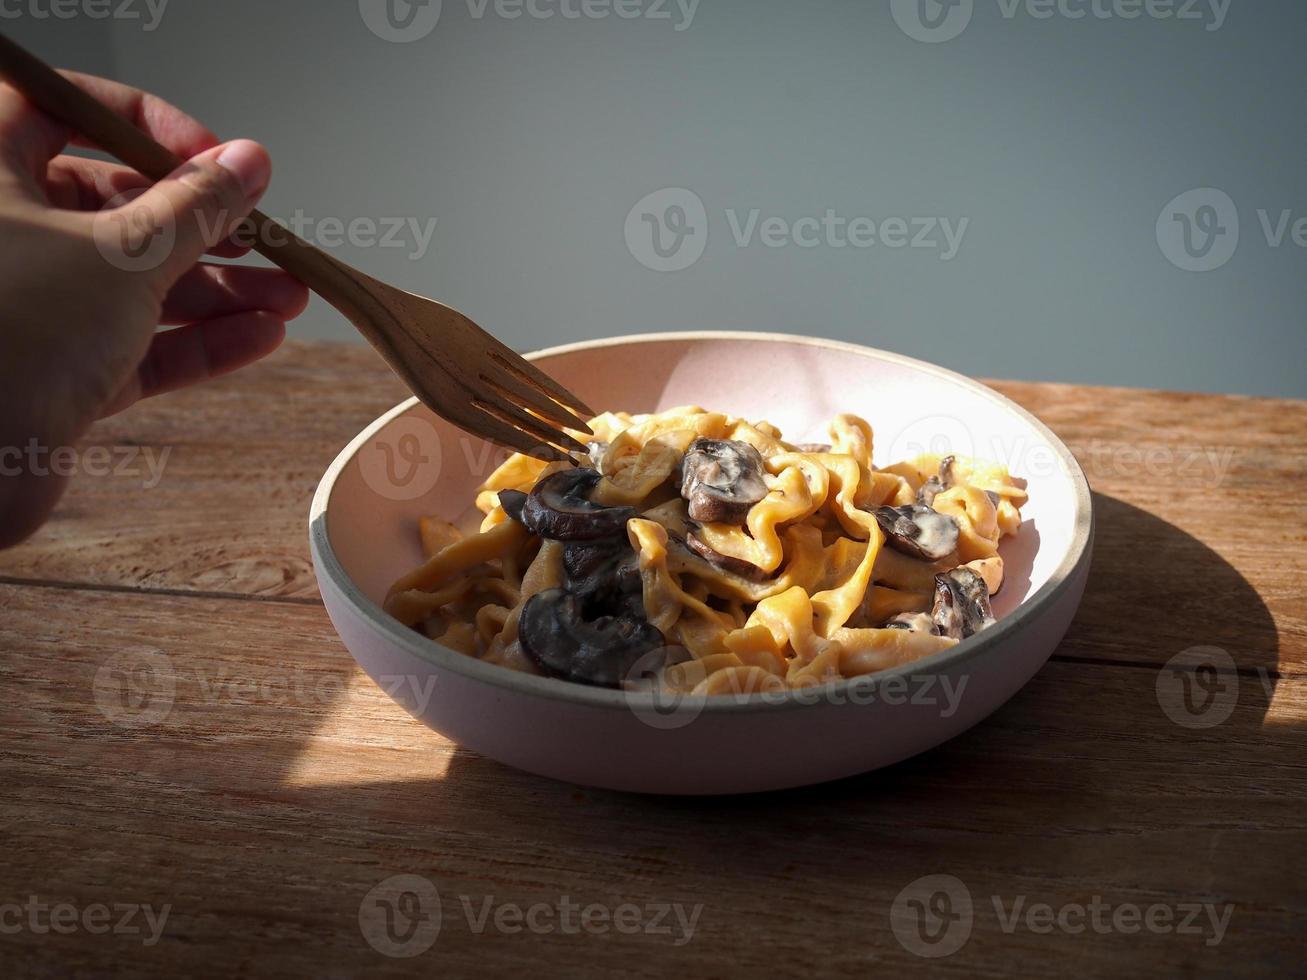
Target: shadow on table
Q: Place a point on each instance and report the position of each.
(1108, 760)
(1127, 711)
(1140, 614)
(1105, 775)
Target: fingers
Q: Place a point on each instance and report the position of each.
(29, 139)
(81, 184)
(198, 205)
(167, 124)
(209, 291)
(191, 354)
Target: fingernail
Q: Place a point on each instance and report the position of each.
(248, 161)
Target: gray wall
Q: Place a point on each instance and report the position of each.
(1059, 140)
(80, 42)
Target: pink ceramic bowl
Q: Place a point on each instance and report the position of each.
(409, 463)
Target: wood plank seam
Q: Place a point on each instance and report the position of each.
(153, 591)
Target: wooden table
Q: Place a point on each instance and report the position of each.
(282, 786)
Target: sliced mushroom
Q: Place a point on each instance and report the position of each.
(559, 508)
(563, 644)
(946, 474)
(919, 531)
(630, 582)
(721, 479)
(917, 622)
(931, 489)
(605, 575)
(736, 566)
(812, 447)
(937, 484)
(512, 501)
(681, 560)
(961, 604)
(584, 558)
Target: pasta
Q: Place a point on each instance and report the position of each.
(707, 555)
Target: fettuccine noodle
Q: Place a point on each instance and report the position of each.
(711, 555)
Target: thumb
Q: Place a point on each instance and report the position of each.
(171, 225)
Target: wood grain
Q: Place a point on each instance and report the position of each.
(242, 457)
(280, 785)
(1182, 480)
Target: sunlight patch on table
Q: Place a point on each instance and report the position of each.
(368, 738)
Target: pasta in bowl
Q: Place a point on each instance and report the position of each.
(706, 555)
(402, 493)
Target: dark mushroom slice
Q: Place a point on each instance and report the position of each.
(961, 604)
(931, 489)
(916, 622)
(605, 576)
(919, 531)
(630, 581)
(582, 559)
(512, 501)
(681, 559)
(946, 474)
(600, 651)
(721, 479)
(559, 508)
(937, 484)
(735, 566)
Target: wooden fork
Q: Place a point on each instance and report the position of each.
(457, 369)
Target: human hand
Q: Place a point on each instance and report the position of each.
(95, 257)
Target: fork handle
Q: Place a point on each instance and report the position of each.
(343, 287)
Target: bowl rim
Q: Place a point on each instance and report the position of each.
(328, 565)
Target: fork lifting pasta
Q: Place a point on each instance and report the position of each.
(707, 555)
